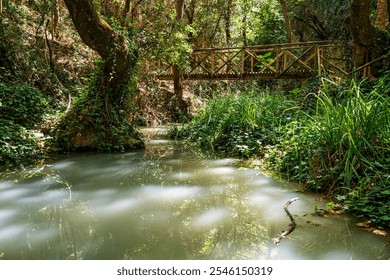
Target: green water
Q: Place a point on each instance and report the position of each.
(166, 203)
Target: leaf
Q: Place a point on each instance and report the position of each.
(379, 232)
(336, 212)
(364, 224)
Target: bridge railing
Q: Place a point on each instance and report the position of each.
(280, 61)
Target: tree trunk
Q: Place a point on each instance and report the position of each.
(178, 76)
(190, 13)
(99, 36)
(369, 42)
(244, 28)
(227, 17)
(245, 7)
(126, 8)
(382, 16)
(54, 18)
(1, 7)
(99, 121)
(287, 20)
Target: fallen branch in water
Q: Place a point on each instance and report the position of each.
(292, 225)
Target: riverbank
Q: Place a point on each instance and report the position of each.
(334, 142)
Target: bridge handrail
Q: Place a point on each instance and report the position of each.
(270, 46)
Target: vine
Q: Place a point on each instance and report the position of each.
(100, 117)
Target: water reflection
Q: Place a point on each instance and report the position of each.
(165, 203)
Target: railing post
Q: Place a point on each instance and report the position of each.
(242, 62)
(277, 50)
(252, 61)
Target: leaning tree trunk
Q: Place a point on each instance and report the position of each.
(99, 36)
(370, 43)
(99, 120)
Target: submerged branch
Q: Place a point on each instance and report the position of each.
(292, 225)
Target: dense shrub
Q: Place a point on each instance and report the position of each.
(22, 104)
(22, 108)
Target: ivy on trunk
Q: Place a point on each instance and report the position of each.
(99, 120)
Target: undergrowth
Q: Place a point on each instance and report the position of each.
(22, 109)
(240, 125)
(339, 145)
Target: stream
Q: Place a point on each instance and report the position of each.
(166, 202)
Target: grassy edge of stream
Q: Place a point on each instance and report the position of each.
(335, 141)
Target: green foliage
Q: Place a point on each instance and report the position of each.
(22, 108)
(22, 104)
(383, 84)
(268, 24)
(343, 136)
(322, 20)
(17, 144)
(240, 125)
(24, 51)
(168, 41)
(342, 149)
(266, 59)
(341, 146)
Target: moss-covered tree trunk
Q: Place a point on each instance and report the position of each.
(370, 43)
(98, 35)
(99, 120)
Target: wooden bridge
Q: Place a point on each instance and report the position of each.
(283, 61)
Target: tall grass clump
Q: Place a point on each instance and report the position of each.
(343, 149)
(240, 125)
